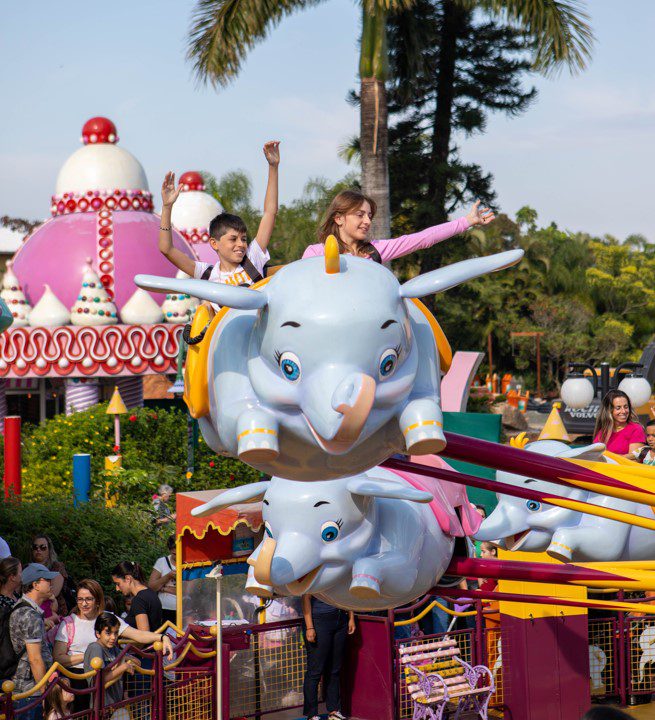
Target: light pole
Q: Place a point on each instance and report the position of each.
(217, 574)
(579, 390)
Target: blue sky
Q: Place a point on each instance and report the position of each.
(582, 155)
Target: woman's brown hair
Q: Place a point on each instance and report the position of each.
(8, 567)
(345, 202)
(96, 591)
(605, 421)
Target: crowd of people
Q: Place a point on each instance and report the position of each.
(46, 617)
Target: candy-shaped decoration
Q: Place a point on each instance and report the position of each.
(191, 180)
(141, 309)
(12, 294)
(179, 307)
(50, 311)
(99, 130)
(93, 306)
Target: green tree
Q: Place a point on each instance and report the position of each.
(223, 31)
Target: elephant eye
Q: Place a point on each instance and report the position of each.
(388, 361)
(267, 530)
(290, 365)
(533, 505)
(329, 531)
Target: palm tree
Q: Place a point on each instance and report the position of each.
(223, 31)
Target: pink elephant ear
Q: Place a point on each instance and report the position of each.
(469, 519)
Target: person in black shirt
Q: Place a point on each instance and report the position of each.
(145, 612)
(325, 629)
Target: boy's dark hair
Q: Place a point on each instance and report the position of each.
(605, 712)
(650, 423)
(106, 620)
(224, 222)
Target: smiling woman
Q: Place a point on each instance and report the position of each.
(618, 427)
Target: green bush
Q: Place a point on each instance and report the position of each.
(153, 446)
(90, 539)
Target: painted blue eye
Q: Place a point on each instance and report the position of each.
(533, 505)
(290, 366)
(267, 530)
(329, 531)
(388, 361)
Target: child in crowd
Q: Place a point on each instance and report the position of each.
(106, 648)
(646, 454)
(488, 551)
(349, 219)
(238, 263)
(57, 703)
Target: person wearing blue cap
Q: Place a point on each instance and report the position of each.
(27, 633)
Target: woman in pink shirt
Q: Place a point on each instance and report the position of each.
(349, 219)
(618, 426)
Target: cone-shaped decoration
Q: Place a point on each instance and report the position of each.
(554, 428)
(12, 294)
(116, 404)
(93, 306)
(50, 311)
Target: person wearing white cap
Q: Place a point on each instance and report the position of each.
(27, 633)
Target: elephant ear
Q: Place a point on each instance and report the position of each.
(232, 296)
(587, 452)
(235, 496)
(369, 487)
(452, 275)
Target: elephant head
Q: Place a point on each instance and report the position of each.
(529, 525)
(332, 344)
(315, 531)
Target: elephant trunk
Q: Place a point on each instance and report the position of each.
(503, 522)
(337, 406)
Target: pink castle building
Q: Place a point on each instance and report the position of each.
(80, 324)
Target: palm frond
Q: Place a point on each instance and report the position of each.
(223, 31)
(371, 6)
(564, 37)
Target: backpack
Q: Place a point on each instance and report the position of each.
(252, 271)
(8, 656)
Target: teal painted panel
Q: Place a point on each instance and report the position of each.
(485, 426)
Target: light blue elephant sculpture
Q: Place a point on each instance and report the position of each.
(531, 526)
(327, 369)
(368, 542)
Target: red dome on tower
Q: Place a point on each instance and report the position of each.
(191, 180)
(99, 130)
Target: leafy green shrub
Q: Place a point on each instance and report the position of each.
(153, 446)
(479, 403)
(90, 539)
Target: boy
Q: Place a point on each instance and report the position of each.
(106, 648)
(238, 263)
(646, 454)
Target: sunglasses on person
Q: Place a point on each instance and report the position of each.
(39, 547)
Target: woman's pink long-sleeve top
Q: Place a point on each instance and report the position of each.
(405, 244)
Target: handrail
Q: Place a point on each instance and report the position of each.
(426, 610)
(54, 668)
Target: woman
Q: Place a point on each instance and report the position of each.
(76, 633)
(10, 582)
(618, 427)
(325, 630)
(163, 514)
(349, 219)
(43, 552)
(162, 581)
(146, 611)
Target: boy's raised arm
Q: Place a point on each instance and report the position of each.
(272, 154)
(169, 194)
